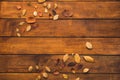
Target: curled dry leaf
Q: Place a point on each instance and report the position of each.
(45, 75)
(67, 13)
(35, 13)
(18, 7)
(17, 30)
(21, 23)
(86, 70)
(48, 69)
(54, 12)
(77, 58)
(41, 1)
(65, 76)
(73, 70)
(89, 59)
(28, 28)
(37, 67)
(65, 57)
(49, 6)
(89, 45)
(56, 73)
(30, 20)
(18, 34)
(24, 12)
(55, 5)
(71, 64)
(44, 4)
(46, 10)
(55, 17)
(30, 68)
(77, 78)
(40, 14)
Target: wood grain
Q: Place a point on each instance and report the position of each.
(108, 46)
(23, 76)
(63, 28)
(99, 10)
(20, 63)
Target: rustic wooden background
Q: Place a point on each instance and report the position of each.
(97, 21)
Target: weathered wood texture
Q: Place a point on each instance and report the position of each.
(24, 76)
(63, 28)
(102, 10)
(20, 63)
(108, 46)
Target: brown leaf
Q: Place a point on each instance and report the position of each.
(65, 57)
(89, 45)
(77, 58)
(88, 59)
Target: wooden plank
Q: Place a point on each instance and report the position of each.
(99, 10)
(23, 76)
(20, 63)
(63, 28)
(107, 46)
(61, 0)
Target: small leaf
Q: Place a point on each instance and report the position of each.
(24, 12)
(86, 70)
(45, 75)
(55, 17)
(30, 68)
(48, 69)
(77, 58)
(89, 45)
(65, 76)
(65, 57)
(18, 34)
(28, 28)
(21, 23)
(77, 78)
(35, 13)
(89, 59)
(41, 1)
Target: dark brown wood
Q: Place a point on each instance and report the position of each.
(107, 46)
(24, 76)
(64, 28)
(99, 10)
(20, 63)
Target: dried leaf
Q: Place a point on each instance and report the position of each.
(35, 13)
(65, 76)
(54, 12)
(44, 4)
(73, 70)
(17, 30)
(41, 1)
(40, 14)
(55, 17)
(56, 73)
(38, 77)
(65, 57)
(24, 12)
(30, 68)
(45, 75)
(79, 66)
(49, 6)
(71, 64)
(21, 23)
(86, 70)
(37, 67)
(18, 34)
(30, 20)
(55, 6)
(48, 69)
(77, 58)
(46, 10)
(89, 59)
(77, 78)
(89, 45)
(28, 28)
(67, 13)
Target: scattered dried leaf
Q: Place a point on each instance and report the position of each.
(30, 68)
(35, 13)
(55, 17)
(21, 23)
(88, 59)
(44, 4)
(38, 77)
(54, 12)
(17, 30)
(86, 70)
(37, 67)
(49, 6)
(48, 69)
(79, 66)
(65, 76)
(56, 73)
(18, 34)
(28, 28)
(40, 14)
(65, 57)
(41, 1)
(89, 45)
(45, 75)
(71, 64)
(73, 70)
(24, 11)
(77, 78)
(46, 10)
(55, 6)
(18, 7)
(77, 58)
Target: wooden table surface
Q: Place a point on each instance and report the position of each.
(95, 21)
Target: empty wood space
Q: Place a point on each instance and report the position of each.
(95, 21)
